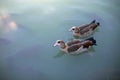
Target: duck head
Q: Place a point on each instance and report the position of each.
(60, 43)
(74, 29)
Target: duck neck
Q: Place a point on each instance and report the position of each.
(77, 30)
(63, 46)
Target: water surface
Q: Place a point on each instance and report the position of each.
(28, 30)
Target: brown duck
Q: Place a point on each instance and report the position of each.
(75, 46)
(84, 30)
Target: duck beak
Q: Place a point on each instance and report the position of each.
(70, 29)
(56, 44)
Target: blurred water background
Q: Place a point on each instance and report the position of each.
(29, 28)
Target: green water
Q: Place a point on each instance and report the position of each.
(27, 53)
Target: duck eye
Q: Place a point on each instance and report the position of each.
(73, 29)
(58, 41)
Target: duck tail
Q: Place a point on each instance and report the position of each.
(92, 21)
(93, 40)
(98, 24)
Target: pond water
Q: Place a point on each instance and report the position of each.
(29, 28)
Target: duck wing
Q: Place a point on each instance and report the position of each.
(74, 47)
(73, 42)
(86, 44)
(85, 30)
(83, 26)
(86, 25)
(94, 26)
(91, 40)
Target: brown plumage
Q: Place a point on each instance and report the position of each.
(86, 44)
(85, 30)
(75, 46)
(73, 42)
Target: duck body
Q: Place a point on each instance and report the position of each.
(85, 30)
(65, 46)
(76, 47)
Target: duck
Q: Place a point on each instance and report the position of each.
(84, 30)
(75, 47)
